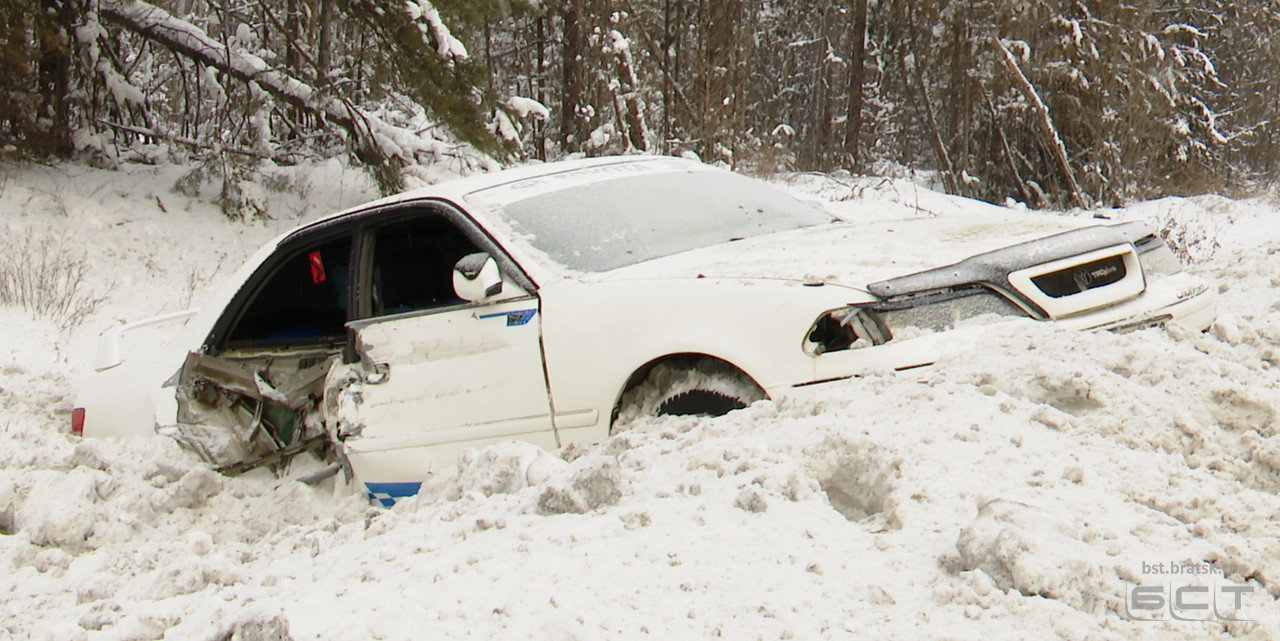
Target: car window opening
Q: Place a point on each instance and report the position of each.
(413, 265)
(304, 300)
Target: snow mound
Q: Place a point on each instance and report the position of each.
(1037, 553)
(857, 475)
(1021, 490)
(505, 468)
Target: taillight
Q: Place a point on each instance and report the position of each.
(77, 421)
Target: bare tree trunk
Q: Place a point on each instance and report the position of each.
(488, 56)
(573, 50)
(668, 42)
(324, 53)
(629, 102)
(293, 53)
(719, 129)
(1007, 149)
(957, 100)
(949, 177)
(820, 134)
(820, 139)
(54, 73)
(857, 77)
(293, 35)
(540, 82)
(1045, 123)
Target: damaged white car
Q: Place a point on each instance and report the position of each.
(543, 303)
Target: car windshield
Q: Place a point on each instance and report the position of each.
(602, 225)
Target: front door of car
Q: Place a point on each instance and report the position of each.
(439, 374)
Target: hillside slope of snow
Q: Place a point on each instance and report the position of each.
(1023, 490)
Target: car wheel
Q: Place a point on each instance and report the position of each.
(689, 387)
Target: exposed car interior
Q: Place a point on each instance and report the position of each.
(306, 298)
(413, 264)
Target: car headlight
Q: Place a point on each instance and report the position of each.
(857, 326)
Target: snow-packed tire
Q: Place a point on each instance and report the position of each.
(700, 386)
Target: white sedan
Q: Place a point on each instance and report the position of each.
(543, 303)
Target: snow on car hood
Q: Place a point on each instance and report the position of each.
(853, 252)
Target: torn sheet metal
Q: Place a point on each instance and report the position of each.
(238, 413)
(294, 390)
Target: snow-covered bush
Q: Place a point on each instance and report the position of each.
(41, 276)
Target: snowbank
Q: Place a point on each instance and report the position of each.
(1023, 490)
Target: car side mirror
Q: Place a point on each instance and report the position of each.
(477, 277)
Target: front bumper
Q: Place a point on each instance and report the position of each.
(1180, 298)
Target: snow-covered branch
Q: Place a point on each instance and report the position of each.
(428, 21)
(375, 140)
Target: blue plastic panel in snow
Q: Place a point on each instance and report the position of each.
(387, 493)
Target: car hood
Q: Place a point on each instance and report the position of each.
(854, 253)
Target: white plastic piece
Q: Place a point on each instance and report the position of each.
(108, 355)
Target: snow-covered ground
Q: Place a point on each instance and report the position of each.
(1024, 490)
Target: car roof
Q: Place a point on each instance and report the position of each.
(482, 195)
(579, 171)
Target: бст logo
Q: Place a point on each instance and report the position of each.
(1186, 602)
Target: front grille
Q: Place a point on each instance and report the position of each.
(1080, 278)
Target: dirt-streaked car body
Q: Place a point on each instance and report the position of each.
(538, 303)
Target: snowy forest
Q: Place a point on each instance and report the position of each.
(1046, 102)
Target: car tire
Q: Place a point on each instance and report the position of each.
(700, 386)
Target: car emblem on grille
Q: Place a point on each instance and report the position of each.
(1085, 278)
